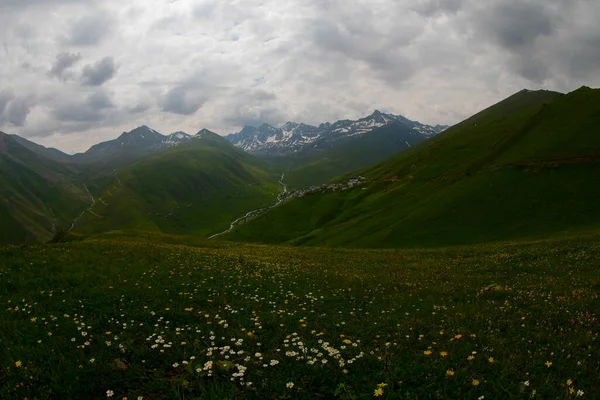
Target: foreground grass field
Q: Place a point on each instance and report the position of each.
(119, 316)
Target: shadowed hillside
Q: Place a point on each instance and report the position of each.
(196, 188)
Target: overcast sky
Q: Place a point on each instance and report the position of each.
(76, 72)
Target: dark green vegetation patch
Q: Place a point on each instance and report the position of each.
(121, 316)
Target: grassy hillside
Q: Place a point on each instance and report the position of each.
(526, 167)
(319, 164)
(38, 195)
(181, 318)
(196, 189)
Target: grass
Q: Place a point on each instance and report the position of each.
(37, 197)
(525, 168)
(193, 189)
(140, 314)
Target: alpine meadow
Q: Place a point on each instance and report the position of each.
(178, 220)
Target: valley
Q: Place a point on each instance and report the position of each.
(299, 200)
(383, 263)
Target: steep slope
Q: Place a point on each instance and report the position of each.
(46, 152)
(527, 167)
(38, 195)
(196, 188)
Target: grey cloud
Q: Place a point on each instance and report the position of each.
(63, 62)
(93, 109)
(21, 4)
(226, 63)
(139, 108)
(182, 100)
(582, 57)
(253, 107)
(100, 72)
(516, 25)
(204, 8)
(547, 42)
(5, 96)
(254, 116)
(18, 110)
(90, 29)
(430, 8)
(530, 68)
(382, 52)
(99, 100)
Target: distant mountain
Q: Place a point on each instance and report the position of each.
(525, 168)
(294, 137)
(38, 194)
(195, 188)
(175, 183)
(130, 146)
(51, 153)
(331, 156)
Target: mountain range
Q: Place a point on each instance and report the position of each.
(523, 168)
(294, 137)
(527, 167)
(43, 190)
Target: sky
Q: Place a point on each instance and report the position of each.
(77, 72)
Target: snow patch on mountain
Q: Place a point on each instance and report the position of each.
(293, 136)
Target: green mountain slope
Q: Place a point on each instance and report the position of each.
(196, 188)
(38, 195)
(527, 167)
(324, 161)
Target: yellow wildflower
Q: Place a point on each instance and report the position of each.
(378, 392)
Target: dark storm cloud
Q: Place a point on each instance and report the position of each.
(93, 109)
(182, 100)
(63, 62)
(98, 73)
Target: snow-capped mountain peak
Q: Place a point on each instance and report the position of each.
(293, 136)
(176, 138)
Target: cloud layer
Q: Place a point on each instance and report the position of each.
(77, 72)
